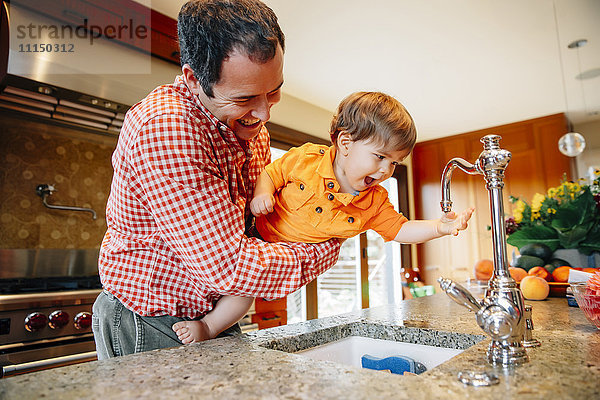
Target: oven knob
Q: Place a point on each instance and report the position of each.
(83, 320)
(58, 319)
(35, 321)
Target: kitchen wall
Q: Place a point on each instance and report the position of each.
(590, 158)
(76, 162)
(297, 114)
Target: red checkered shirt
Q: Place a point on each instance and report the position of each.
(176, 214)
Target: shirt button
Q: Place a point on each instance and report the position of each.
(321, 151)
(351, 219)
(330, 185)
(302, 186)
(330, 196)
(319, 210)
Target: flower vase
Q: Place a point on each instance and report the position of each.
(577, 259)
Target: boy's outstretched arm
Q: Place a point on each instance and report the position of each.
(418, 231)
(263, 200)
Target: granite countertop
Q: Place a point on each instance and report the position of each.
(257, 366)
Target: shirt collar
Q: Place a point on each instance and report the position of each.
(325, 170)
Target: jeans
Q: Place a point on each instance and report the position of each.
(119, 331)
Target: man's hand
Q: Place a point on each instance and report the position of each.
(451, 224)
(262, 204)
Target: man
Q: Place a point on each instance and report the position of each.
(184, 172)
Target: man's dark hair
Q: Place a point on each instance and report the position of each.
(209, 30)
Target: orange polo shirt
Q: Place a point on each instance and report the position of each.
(309, 207)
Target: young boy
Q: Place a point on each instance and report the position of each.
(315, 192)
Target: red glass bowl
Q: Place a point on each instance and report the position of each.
(589, 301)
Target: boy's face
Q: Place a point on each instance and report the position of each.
(365, 163)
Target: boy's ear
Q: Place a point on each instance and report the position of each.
(343, 142)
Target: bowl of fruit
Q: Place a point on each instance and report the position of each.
(587, 295)
(552, 274)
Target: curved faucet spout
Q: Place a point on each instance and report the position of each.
(462, 164)
(45, 190)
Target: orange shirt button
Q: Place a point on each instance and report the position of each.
(330, 196)
(351, 219)
(330, 185)
(302, 186)
(319, 210)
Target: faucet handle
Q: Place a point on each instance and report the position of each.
(459, 294)
(45, 189)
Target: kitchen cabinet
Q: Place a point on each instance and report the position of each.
(125, 21)
(535, 166)
(270, 313)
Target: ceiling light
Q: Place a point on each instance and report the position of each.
(572, 144)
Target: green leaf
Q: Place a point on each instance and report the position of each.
(570, 239)
(534, 234)
(592, 242)
(577, 212)
(575, 219)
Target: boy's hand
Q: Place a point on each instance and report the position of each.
(450, 223)
(262, 204)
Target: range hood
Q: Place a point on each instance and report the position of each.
(83, 79)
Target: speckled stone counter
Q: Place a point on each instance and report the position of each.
(259, 366)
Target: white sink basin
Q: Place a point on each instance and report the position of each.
(350, 350)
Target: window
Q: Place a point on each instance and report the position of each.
(384, 260)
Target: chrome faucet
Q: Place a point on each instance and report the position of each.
(501, 313)
(44, 190)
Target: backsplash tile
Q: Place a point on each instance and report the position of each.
(77, 163)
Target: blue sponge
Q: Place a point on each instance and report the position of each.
(396, 364)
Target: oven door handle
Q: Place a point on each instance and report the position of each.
(15, 369)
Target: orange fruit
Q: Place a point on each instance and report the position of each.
(517, 273)
(540, 272)
(484, 269)
(561, 274)
(534, 288)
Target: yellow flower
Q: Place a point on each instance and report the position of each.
(518, 211)
(551, 192)
(536, 202)
(535, 215)
(551, 211)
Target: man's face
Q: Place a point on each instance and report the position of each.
(245, 93)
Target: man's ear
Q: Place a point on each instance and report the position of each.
(343, 142)
(190, 79)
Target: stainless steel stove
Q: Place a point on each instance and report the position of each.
(46, 298)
